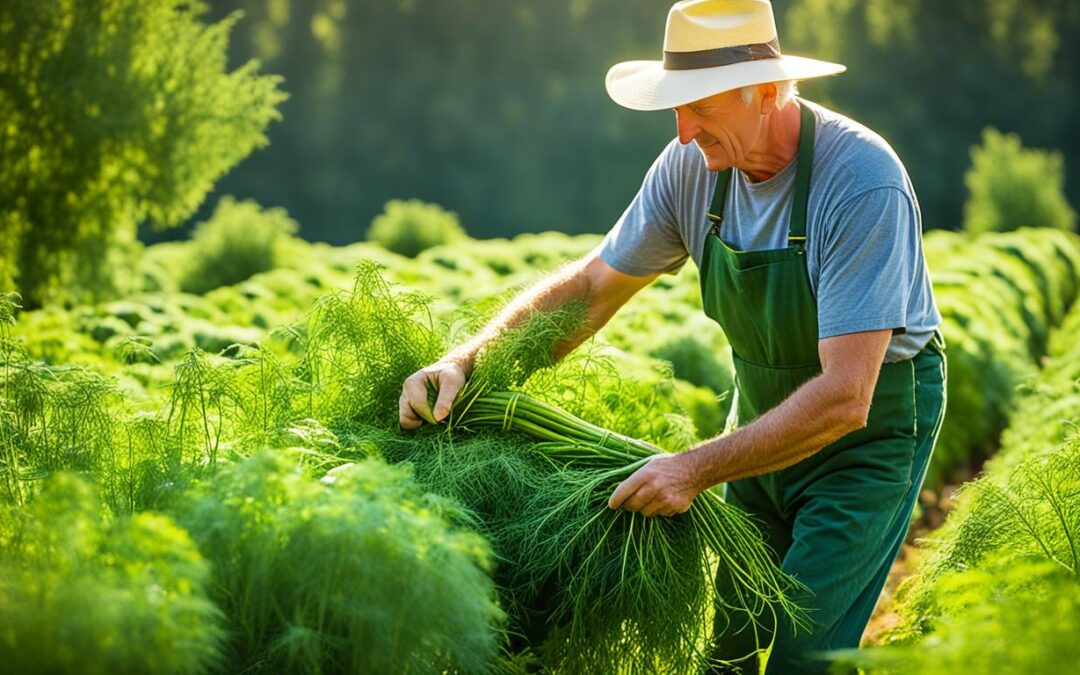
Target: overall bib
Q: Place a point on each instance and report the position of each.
(835, 520)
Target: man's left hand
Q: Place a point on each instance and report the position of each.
(663, 487)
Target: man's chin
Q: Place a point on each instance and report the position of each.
(714, 164)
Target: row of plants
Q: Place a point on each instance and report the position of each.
(998, 586)
(259, 568)
(1000, 296)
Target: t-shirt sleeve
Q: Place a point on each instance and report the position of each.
(646, 238)
(868, 264)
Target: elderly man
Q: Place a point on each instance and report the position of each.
(807, 234)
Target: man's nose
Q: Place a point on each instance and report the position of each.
(686, 122)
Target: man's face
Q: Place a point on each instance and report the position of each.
(724, 128)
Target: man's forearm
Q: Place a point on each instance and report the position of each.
(550, 293)
(816, 414)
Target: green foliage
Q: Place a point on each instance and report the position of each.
(115, 112)
(1009, 617)
(80, 593)
(240, 240)
(1031, 510)
(358, 573)
(1010, 187)
(593, 590)
(362, 345)
(329, 385)
(409, 227)
(1023, 508)
(1000, 296)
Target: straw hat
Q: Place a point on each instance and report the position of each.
(711, 46)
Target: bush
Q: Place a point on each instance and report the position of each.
(359, 573)
(82, 594)
(1010, 617)
(1011, 187)
(696, 362)
(238, 241)
(116, 112)
(409, 227)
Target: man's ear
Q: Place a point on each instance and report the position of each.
(768, 97)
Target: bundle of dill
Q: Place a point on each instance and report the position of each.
(589, 589)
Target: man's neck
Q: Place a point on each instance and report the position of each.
(777, 145)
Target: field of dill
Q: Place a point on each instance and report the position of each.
(208, 476)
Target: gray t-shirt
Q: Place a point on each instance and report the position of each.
(864, 229)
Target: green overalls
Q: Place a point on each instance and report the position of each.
(836, 520)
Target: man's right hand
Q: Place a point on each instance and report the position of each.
(447, 376)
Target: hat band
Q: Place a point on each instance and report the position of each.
(723, 56)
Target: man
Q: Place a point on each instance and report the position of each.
(807, 234)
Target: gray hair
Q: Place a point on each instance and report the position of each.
(786, 92)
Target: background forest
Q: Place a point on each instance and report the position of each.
(126, 124)
(497, 110)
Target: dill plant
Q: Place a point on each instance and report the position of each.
(1026, 500)
(53, 419)
(205, 397)
(361, 345)
(240, 239)
(407, 227)
(273, 395)
(82, 593)
(1009, 185)
(9, 350)
(360, 572)
(1011, 617)
(65, 418)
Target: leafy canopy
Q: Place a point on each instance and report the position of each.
(114, 112)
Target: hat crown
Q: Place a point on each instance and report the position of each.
(697, 25)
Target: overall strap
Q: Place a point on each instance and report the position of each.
(797, 224)
(716, 210)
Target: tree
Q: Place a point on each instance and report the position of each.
(114, 112)
(1010, 186)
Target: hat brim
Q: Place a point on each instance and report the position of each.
(646, 85)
